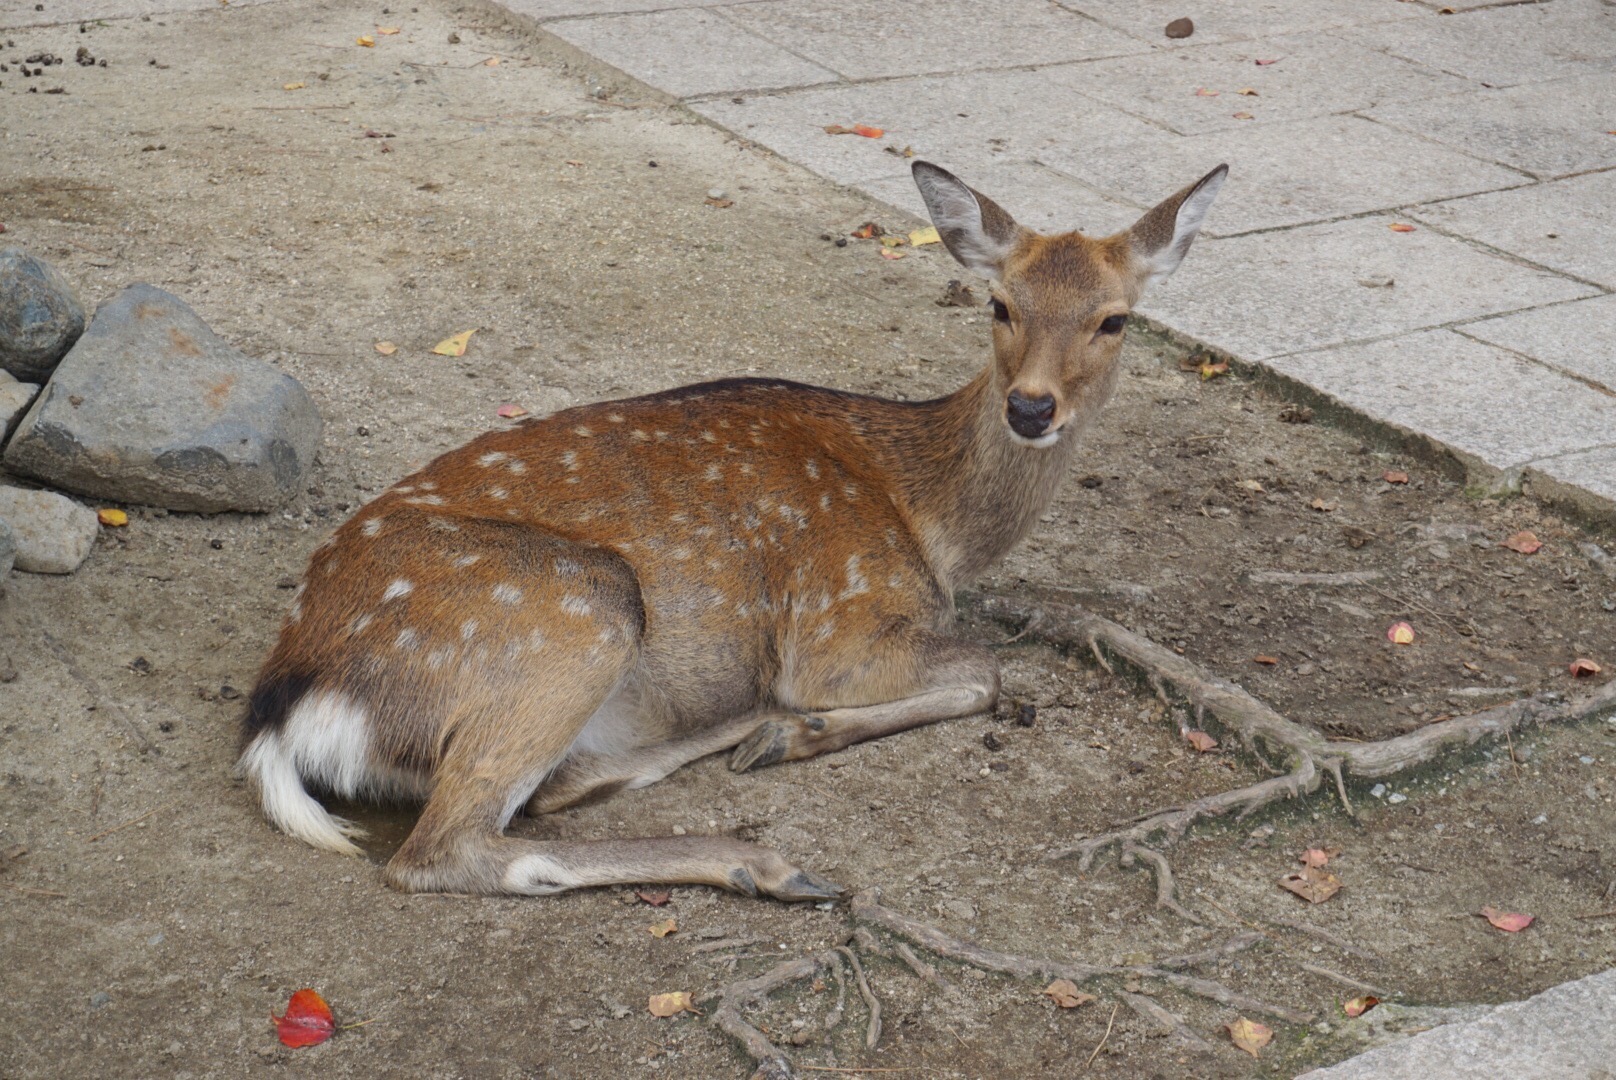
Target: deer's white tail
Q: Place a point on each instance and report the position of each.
(269, 764)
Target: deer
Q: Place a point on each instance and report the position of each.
(583, 603)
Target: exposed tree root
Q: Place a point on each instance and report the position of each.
(1308, 754)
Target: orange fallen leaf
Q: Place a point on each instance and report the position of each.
(665, 1005)
(1204, 92)
(1400, 226)
(868, 132)
(386, 348)
(1269, 660)
(1311, 883)
(1392, 476)
(1244, 116)
(306, 1022)
(1400, 633)
(1210, 370)
(1249, 1035)
(1359, 1005)
(664, 928)
(1512, 922)
(888, 253)
(117, 519)
(867, 231)
(1064, 992)
(1581, 667)
(509, 411)
(387, 30)
(366, 40)
(454, 346)
(655, 899)
(1523, 542)
(1202, 742)
(722, 204)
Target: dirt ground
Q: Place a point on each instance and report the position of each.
(151, 920)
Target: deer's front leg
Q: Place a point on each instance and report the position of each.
(917, 678)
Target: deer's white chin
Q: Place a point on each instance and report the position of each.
(1048, 438)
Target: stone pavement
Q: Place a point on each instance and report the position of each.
(1490, 328)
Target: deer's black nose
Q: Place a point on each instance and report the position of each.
(1029, 417)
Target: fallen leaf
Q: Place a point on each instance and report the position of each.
(867, 231)
(510, 412)
(454, 346)
(1323, 507)
(1315, 856)
(1312, 884)
(906, 152)
(664, 928)
(892, 241)
(293, 86)
(1204, 92)
(389, 31)
(1269, 660)
(1581, 668)
(722, 204)
(665, 1005)
(306, 1022)
(1064, 992)
(1359, 1005)
(1512, 922)
(1244, 116)
(1400, 633)
(1211, 370)
(1265, 63)
(1249, 1035)
(921, 237)
(366, 40)
(868, 132)
(492, 61)
(1247, 92)
(1252, 485)
(888, 253)
(1180, 28)
(655, 899)
(386, 348)
(1202, 742)
(1472, 667)
(1400, 226)
(1392, 476)
(1523, 542)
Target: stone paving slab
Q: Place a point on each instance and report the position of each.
(1478, 399)
(869, 39)
(1504, 46)
(1273, 293)
(16, 14)
(1547, 129)
(689, 51)
(553, 9)
(1569, 225)
(1314, 76)
(1568, 1032)
(1591, 471)
(1231, 20)
(1579, 337)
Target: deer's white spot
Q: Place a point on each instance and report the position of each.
(463, 561)
(439, 524)
(371, 527)
(708, 436)
(639, 436)
(824, 501)
(507, 594)
(498, 493)
(569, 460)
(856, 584)
(616, 418)
(575, 605)
(425, 500)
(438, 657)
(493, 457)
(396, 588)
(359, 624)
(746, 468)
(567, 568)
(713, 474)
(583, 432)
(428, 485)
(468, 629)
(517, 467)
(535, 640)
(811, 467)
(407, 640)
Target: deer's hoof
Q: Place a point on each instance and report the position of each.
(765, 746)
(805, 886)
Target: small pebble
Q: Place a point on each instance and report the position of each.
(1378, 791)
(716, 193)
(1396, 797)
(1586, 760)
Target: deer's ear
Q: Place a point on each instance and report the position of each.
(1160, 238)
(974, 228)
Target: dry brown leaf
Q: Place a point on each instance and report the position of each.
(1581, 667)
(1200, 740)
(1312, 884)
(1210, 370)
(1324, 507)
(1523, 542)
(664, 928)
(665, 1005)
(1265, 63)
(1247, 92)
(654, 898)
(1392, 476)
(1064, 992)
(1249, 1035)
(722, 204)
(1512, 922)
(386, 348)
(928, 235)
(1252, 485)
(888, 253)
(388, 31)
(1268, 660)
(1244, 116)
(867, 231)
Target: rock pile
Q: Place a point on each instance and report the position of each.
(145, 405)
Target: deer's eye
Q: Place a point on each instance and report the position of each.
(1000, 312)
(1113, 324)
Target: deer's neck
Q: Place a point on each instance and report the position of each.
(973, 491)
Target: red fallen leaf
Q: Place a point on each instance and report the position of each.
(1512, 922)
(1200, 740)
(510, 412)
(1360, 1005)
(1581, 667)
(1269, 660)
(306, 1022)
(1523, 542)
(1400, 226)
(1265, 63)
(867, 231)
(1400, 633)
(655, 899)
(1392, 476)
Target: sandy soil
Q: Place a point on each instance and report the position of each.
(151, 921)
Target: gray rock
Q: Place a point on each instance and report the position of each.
(8, 550)
(52, 533)
(40, 318)
(15, 397)
(152, 407)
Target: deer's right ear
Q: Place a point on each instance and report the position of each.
(1161, 238)
(974, 228)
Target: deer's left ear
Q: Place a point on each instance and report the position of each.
(976, 230)
(1160, 239)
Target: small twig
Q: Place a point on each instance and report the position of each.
(30, 890)
(358, 1024)
(1514, 762)
(1598, 915)
(1281, 577)
(873, 1035)
(1101, 1044)
(1345, 980)
(727, 943)
(131, 821)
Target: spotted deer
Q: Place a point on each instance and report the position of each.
(585, 602)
